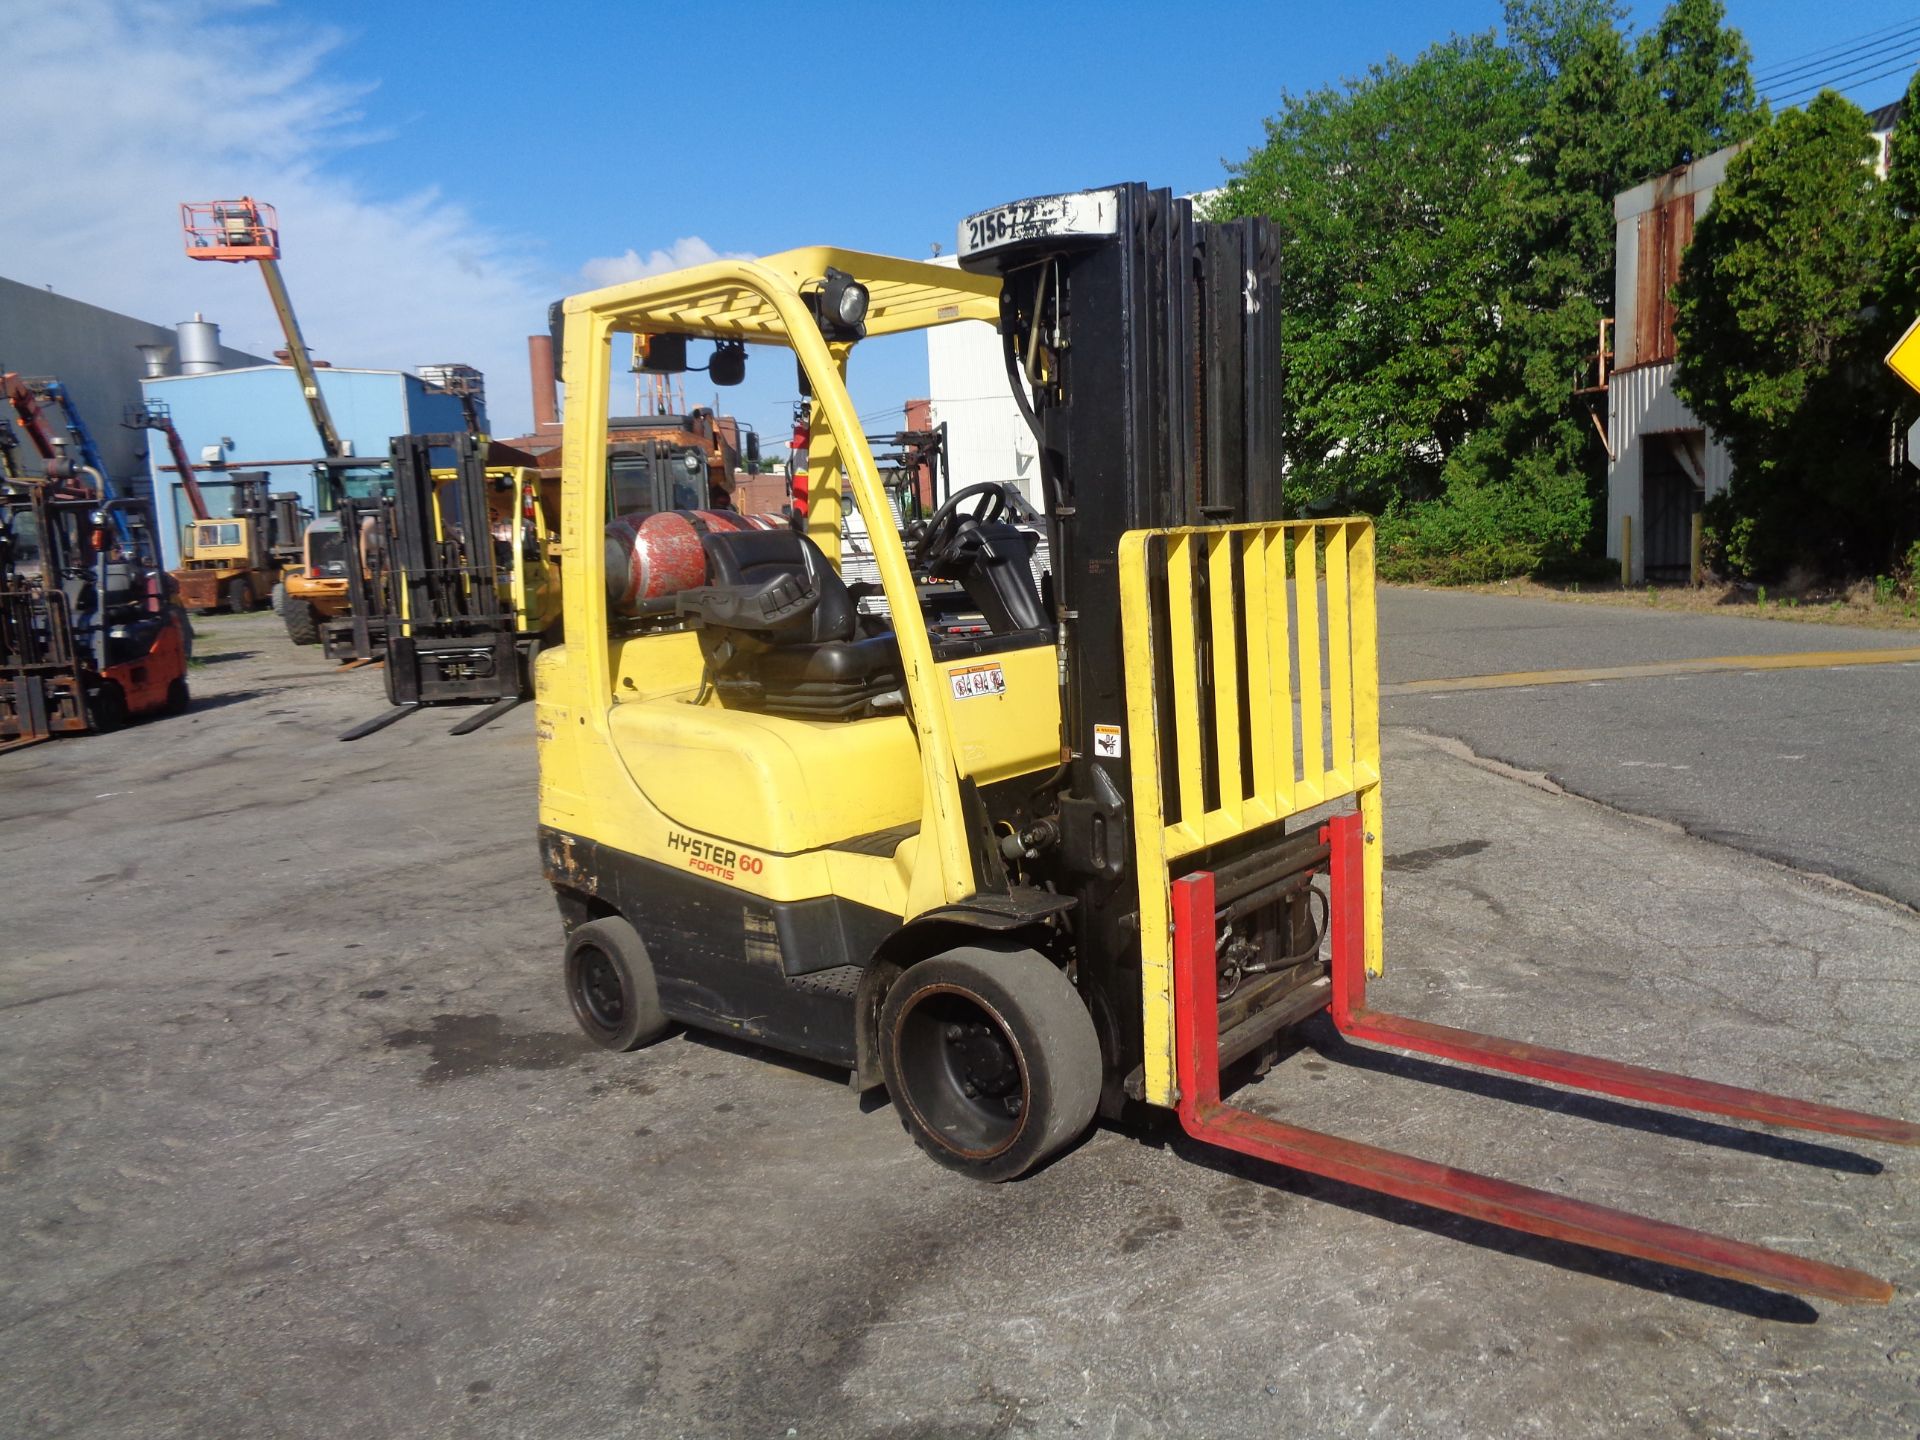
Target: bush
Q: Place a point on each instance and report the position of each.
(1482, 530)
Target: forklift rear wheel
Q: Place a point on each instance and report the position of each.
(178, 696)
(991, 1059)
(610, 984)
(303, 626)
(239, 595)
(108, 707)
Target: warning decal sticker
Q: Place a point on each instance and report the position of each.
(978, 680)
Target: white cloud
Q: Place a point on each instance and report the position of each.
(211, 99)
(687, 250)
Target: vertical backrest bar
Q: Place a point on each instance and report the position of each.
(1184, 642)
(1366, 657)
(1306, 610)
(1261, 686)
(1226, 675)
(1280, 658)
(1339, 662)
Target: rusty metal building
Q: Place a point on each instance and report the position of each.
(1663, 464)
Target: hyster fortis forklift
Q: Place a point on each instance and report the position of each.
(1066, 868)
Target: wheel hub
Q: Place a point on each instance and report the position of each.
(985, 1064)
(600, 990)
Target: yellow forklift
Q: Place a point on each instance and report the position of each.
(1066, 868)
(458, 585)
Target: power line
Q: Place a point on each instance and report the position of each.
(1787, 69)
(1854, 78)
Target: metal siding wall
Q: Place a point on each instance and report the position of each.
(1626, 284)
(1642, 402)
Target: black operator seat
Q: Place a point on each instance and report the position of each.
(782, 634)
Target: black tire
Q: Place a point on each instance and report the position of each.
(239, 595)
(179, 697)
(107, 708)
(303, 626)
(611, 987)
(991, 1059)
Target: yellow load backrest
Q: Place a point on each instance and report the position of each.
(1253, 696)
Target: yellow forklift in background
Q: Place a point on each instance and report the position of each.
(1071, 862)
(459, 584)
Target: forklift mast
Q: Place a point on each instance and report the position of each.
(1147, 340)
(51, 391)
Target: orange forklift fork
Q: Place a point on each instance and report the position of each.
(1518, 1207)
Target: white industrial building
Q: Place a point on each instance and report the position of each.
(987, 437)
(1663, 464)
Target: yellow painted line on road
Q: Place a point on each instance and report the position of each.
(1797, 660)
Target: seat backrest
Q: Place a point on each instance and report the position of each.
(749, 557)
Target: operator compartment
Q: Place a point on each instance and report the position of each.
(744, 657)
(780, 633)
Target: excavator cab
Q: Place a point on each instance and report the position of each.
(1072, 862)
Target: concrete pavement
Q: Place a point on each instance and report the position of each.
(299, 1140)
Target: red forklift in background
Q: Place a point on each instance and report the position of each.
(90, 635)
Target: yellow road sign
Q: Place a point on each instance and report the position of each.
(1904, 358)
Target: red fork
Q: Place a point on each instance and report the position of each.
(1346, 836)
(1441, 1187)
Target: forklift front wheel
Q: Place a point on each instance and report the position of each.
(303, 626)
(109, 707)
(611, 987)
(991, 1059)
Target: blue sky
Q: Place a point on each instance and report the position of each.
(441, 171)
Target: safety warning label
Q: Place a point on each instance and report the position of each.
(977, 680)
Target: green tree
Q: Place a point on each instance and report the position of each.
(1903, 194)
(1780, 333)
(1702, 73)
(1394, 194)
(1449, 233)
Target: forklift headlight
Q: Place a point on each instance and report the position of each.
(843, 306)
(692, 462)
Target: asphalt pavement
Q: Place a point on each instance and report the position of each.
(1818, 768)
(297, 1138)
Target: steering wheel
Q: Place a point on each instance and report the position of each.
(997, 500)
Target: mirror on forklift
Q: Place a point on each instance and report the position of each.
(729, 363)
